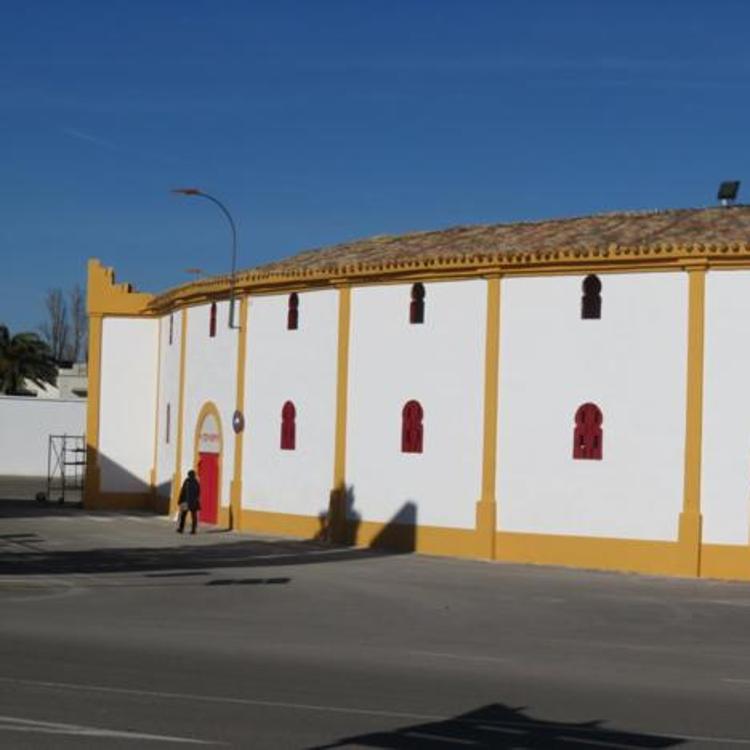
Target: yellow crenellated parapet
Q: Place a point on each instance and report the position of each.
(105, 297)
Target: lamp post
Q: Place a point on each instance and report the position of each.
(225, 211)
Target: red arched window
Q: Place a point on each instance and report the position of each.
(212, 321)
(587, 436)
(416, 307)
(412, 430)
(292, 315)
(591, 302)
(288, 427)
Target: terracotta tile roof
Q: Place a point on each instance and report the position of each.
(674, 227)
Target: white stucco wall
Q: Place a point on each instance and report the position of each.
(297, 366)
(127, 403)
(725, 496)
(25, 427)
(210, 375)
(169, 393)
(440, 363)
(632, 364)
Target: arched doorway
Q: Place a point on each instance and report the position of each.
(208, 451)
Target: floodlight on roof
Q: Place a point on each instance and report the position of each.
(728, 192)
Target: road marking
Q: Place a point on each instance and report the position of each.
(523, 725)
(16, 724)
(461, 657)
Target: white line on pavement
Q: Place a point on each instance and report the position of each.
(353, 711)
(16, 724)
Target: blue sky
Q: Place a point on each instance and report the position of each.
(319, 122)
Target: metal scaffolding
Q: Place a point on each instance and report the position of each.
(66, 468)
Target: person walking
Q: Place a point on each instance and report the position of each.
(189, 502)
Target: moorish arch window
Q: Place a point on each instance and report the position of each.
(412, 429)
(292, 314)
(587, 434)
(288, 427)
(591, 301)
(416, 306)
(212, 321)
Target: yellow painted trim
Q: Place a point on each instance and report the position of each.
(93, 405)
(210, 408)
(234, 519)
(105, 297)
(177, 477)
(636, 258)
(727, 561)
(428, 540)
(337, 504)
(690, 521)
(122, 501)
(486, 509)
(157, 419)
(633, 555)
(283, 524)
(433, 540)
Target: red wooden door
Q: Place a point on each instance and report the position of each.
(208, 476)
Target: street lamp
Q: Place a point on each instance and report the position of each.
(201, 194)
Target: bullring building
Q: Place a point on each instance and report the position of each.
(569, 392)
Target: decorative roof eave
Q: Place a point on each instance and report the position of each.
(660, 256)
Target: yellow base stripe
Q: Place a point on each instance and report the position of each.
(627, 555)
(726, 561)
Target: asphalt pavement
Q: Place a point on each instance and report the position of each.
(115, 632)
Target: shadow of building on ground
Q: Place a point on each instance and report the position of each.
(26, 554)
(29, 557)
(497, 726)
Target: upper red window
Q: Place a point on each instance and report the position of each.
(292, 315)
(412, 429)
(212, 321)
(587, 436)
(591, 302)
(416, 306)
(288, 427)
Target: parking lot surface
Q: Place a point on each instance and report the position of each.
(117, 632)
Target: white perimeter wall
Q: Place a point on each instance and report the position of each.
(127, 403)
(632, 364)
(726, 409)
(298, 366)
(25, 426)
(169, 393)
(440, 363)
(210, 375)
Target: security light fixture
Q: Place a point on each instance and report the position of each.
(728, 192)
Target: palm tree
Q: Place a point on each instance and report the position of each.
(24, 357)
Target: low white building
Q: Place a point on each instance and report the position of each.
(568, 392)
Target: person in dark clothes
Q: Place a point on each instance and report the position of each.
(190, 502)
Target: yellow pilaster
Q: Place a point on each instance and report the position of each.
(177, 478)
(690, 528)
(486, 509)
(235, 492)
(157, 421)
(91, 486)
(337, 504)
